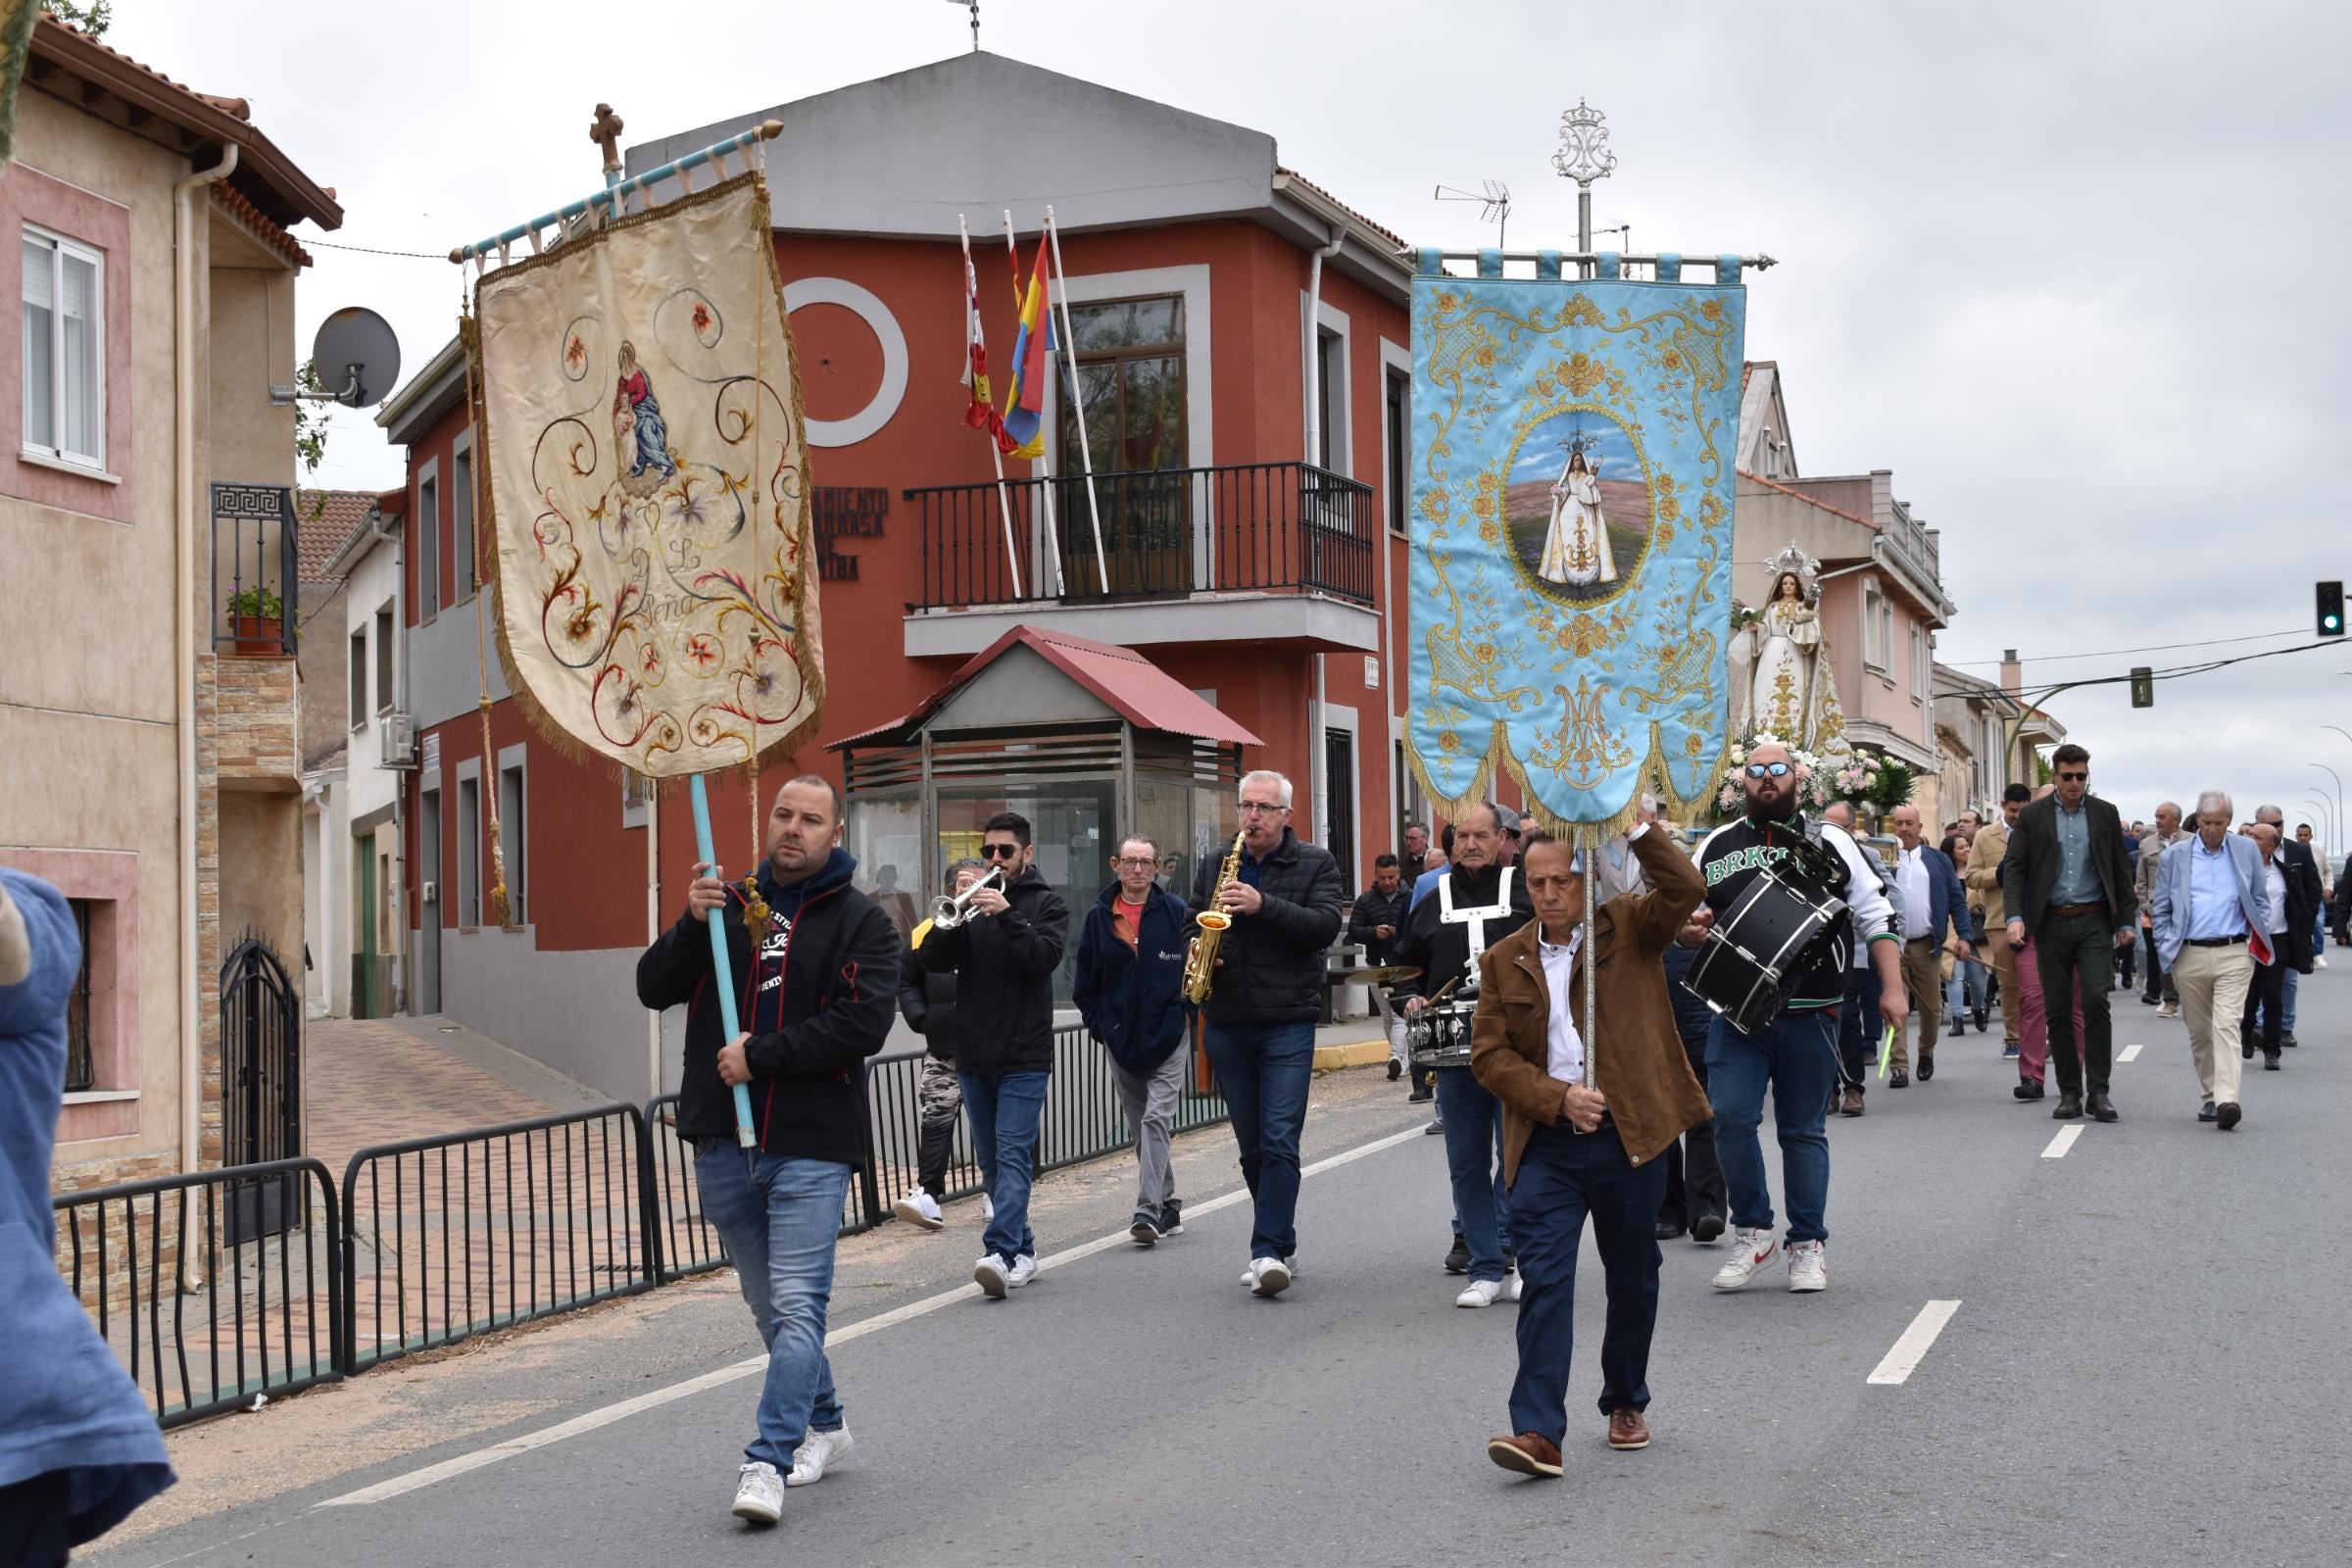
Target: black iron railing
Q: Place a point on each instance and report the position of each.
(1276, 527)
(209, 1314)
(255, 567)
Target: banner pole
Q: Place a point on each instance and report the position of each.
(1045, 491)
(1591, 837)
(722, 970)
(1085, 450)
(995, 454)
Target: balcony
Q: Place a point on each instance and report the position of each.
(1242, 553)
(254, 569)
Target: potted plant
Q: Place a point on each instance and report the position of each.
(256, 621)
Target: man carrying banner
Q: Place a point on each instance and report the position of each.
(818, 987)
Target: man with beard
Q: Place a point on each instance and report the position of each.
(1478, 904)
(1796, 1052)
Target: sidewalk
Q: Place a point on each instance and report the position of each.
(389, 1080)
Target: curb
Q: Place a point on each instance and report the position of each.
(1353, 1053)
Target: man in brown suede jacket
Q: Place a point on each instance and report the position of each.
(1571, 1149)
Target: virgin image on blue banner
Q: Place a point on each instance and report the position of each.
(1572, 490)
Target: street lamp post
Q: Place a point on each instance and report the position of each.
(2313, 796)
(1583, 157)
(2340, 784)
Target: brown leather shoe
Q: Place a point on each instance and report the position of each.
(1530, 1454)
(1851, 1104)
(1627, 1429)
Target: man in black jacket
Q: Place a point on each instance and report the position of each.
(1266, 994)
(2068, 888)
(1004, 956)
(815, 1003)
(1130, 990)
(1477, 903)
(2306, 893)
(927, 1002)
(1373, 923)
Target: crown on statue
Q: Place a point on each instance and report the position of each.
(1792, 560)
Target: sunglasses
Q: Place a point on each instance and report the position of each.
(1760, 769)
(999, 851)
(2075, 778)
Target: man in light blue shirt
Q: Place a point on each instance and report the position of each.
(2212, 913)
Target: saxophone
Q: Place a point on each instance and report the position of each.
(1200, 957)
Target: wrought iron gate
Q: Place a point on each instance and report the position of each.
(261, 1077)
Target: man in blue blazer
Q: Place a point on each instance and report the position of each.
(1129, 990)
(2212, 923)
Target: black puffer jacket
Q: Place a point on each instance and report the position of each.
(1003, 967)
(927, 1002)
(1270, 965)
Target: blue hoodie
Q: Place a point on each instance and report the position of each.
(66, 1406)
(1132, 1000)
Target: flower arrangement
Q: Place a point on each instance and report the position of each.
(1814, 780)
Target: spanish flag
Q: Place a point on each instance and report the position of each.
(1024, 425)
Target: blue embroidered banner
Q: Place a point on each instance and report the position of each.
(1572, 521)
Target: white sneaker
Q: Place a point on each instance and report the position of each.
(759, 1493)
(1479, 1292)
(919, 1207)
(2318, 962)
(993, 1275)
(1024, 1269)
(1751, 1249)
(816, 1452)
(1269, 1276)
(2171, 1009)
(1512, 1286)
(1808, 1268)
(988, 1208)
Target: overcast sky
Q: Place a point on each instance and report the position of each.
(2068, 269)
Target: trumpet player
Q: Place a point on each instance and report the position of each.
(1003, 953)
(1265, 994)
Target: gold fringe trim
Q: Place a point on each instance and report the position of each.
(1652, 775)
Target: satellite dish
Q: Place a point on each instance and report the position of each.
(358, 359)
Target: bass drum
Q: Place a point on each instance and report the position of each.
(1773, 932)
(1439, 1036)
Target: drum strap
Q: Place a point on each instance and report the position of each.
(1475, 918)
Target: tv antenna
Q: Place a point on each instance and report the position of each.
(1497, 207)
(975, 10)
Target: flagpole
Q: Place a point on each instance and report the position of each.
(1013, 253)
(971, 307)
(1086, 453)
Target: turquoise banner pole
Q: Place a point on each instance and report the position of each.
(720, 967)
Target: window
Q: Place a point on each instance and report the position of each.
(1130, 358)
(80, 1077)
(1331, 393)
(1919, 666)
(1874, 637)
(460, 510)
(1396, 411)
(513, 842)
(385, 693)
(358, 677)
(469, 851)
(428, 548)
(65, 350)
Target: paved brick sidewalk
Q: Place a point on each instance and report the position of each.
(373, 1080)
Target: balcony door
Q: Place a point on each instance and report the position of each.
(1129, 357)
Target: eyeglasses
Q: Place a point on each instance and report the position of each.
(2075, 777)
(1759, 769)
(1137, 862)
(999, 851)
(1268, 806)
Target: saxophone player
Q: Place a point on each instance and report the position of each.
(1265, 994)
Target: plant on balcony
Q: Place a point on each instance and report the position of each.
(257, 620)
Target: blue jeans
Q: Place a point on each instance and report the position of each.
(1562, 1177)
(1473, 1121)
(1004, 1108)
(1797, 1054)
(780, 1219)
(1964, 991)
(2286, 999)
(1263, 1072)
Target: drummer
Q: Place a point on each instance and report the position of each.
(1478, 903)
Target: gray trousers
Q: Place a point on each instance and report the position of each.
(1149, 1101)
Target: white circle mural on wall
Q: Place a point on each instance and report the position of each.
(885, 327)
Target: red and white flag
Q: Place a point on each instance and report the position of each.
(980, 413)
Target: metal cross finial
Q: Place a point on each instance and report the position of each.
(605, 130)
(975, 5)
(1583, 157)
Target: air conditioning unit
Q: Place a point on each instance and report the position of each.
(398, 733)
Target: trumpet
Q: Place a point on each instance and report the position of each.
(946, 913)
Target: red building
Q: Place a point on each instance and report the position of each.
(1253, 528)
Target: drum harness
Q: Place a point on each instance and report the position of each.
(1475, 918)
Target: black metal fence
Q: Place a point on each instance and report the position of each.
(255, 547)
(1259, 526)
(206, 1315)
(434, 1239)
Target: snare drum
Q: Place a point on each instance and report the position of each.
(1439, 1036)
(1756, 949)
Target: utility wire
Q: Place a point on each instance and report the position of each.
(369, 250)
(2174, 673)
(2109, 653)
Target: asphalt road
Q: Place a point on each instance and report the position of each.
(2142, 1369)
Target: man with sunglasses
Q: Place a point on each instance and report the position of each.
(1797, 1054)
(1004, 956)
(1265, 996)
(2068, 888)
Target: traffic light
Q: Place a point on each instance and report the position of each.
(2331, 609)
(2144, 686)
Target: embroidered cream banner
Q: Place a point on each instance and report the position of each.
(639, 415)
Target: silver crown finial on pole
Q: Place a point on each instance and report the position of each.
(1583, 157)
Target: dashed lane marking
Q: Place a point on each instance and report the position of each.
(2060, 1144)
(1904, 1359)
(2128, 1053)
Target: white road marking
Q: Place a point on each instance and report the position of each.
(605, 1416)
(2063, 1142)
(1913, 1346)
(2128, 1053)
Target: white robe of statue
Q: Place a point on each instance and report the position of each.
(1785, 697)
(1576, 547)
